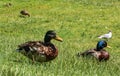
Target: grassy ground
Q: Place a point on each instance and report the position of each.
(78, 22)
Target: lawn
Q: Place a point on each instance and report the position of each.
(78, 22)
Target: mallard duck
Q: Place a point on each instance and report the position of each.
(107, 36)
(41, 51)
(99, 53)
(25, 13)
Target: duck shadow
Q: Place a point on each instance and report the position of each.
(16, 60)
(22, 16)
(29, 62)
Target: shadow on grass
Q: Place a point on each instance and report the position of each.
(29, 62)
(22, 16)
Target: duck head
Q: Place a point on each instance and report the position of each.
(110, 32)
(102, 44)
(51, 35)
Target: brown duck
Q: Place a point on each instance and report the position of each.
(41, 51)
(25, 13)
(8, 4)
(99, 53)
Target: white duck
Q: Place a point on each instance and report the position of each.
(106, 36)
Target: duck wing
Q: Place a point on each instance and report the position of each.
(38, 51)
(32, 46)
(86, 53)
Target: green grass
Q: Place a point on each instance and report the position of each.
(78, 22)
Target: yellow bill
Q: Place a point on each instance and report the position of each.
(58, 38)
(109, 46)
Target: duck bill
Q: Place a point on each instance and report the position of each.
(109, 46)
(58, 38)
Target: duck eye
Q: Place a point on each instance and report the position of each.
(103, 44)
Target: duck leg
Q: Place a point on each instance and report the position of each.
(33, 59)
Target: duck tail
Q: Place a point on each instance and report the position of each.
(28, 14)
(19, 49)
(78, 54)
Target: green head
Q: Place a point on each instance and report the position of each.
(101, 44)
(51, 35)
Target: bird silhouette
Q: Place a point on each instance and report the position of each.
(25, 13)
